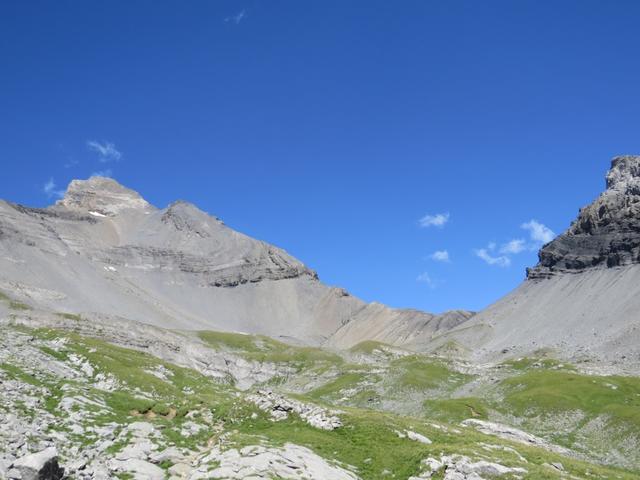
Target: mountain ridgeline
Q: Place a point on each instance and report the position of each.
(104, 250)
(146, 343)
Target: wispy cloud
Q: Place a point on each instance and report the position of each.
(438, 220)
(103, 173)
(107, 151)
(490, 258)
(71, 162)
(440, 256)
(237, 18)
(51, 191)
(425, 278)
(538, 232)
(514, 246)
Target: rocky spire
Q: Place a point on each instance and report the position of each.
(606, 233)
(101, 196)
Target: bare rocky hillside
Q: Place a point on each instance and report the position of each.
(103, 249)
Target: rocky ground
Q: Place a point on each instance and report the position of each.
(87, 400)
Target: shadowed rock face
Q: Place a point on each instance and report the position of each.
(606, 233)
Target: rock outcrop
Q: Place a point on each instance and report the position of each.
(100, 196)
(279, 407)
(514, 434)
(606, 233)
(39, 466)
(461, 467)
(288, 462)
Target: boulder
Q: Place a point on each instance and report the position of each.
(40, 466)
(417, 437)
(139, 469)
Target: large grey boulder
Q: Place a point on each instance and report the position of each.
(40, 466)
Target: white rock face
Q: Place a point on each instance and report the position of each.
(460, 467)
(280, 406)
(101, 197)
(140, 469)
(289, 462)
(513, 434)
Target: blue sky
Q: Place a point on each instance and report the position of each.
(367, 138)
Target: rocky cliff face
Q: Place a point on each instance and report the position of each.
(606, 233)
(101, 196)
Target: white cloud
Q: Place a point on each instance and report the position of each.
(500, 260)
(513, 246)
(437, 220)
(107, 151)
(425, 278)
(50, 190)
(49, 187)
(102, 173)
(538, 232)
(440, 256)
(237, 18)
(71, 162)
(538, 235)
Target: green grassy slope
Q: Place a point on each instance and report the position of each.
(369, 440)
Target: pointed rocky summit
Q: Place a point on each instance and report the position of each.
(102, 196)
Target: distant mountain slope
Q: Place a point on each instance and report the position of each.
(407, 328)
(103, 249)
(583, 297)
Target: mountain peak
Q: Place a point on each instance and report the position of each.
(624, 174)
(606, 233)
(101, 195)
